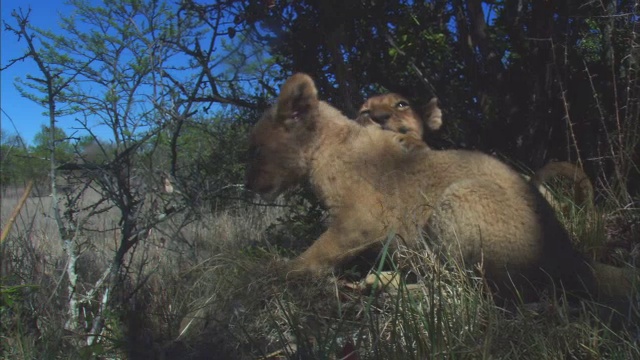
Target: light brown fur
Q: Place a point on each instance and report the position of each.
(385, 111)
(474, 208)
(582, 187)
(394, 112)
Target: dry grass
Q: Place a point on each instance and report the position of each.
(209, 288)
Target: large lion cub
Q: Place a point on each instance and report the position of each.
(473, 208)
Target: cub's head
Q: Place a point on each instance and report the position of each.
(279, 142)
(394, 112)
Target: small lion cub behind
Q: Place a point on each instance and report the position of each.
(394, 112)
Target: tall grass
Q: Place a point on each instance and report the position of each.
(211, 289)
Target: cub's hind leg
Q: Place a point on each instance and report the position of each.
(507, 232)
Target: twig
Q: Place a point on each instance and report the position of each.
(16, 211)
(565, 103)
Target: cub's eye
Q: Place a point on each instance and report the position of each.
(366, 113)
(402, 104)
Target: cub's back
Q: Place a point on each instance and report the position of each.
(435, 170)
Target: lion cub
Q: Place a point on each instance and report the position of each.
(394, 112)
(475, 209)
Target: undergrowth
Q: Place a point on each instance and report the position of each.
(213, 289)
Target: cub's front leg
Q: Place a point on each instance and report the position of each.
(332, 248)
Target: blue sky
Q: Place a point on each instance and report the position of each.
(20, 115)
(27, 116)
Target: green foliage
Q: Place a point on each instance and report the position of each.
(19, 164)
(14, 159)
(537, 82)
(42, 146)
(205, 156)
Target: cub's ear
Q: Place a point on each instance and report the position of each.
(297, 97)
(433, 115)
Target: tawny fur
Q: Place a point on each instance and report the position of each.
(394, 112)
(474, 208)
(582, 191)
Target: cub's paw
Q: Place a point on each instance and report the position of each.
(410, 144)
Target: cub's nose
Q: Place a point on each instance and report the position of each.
(380, 117)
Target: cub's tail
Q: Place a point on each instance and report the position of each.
(583, 189)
